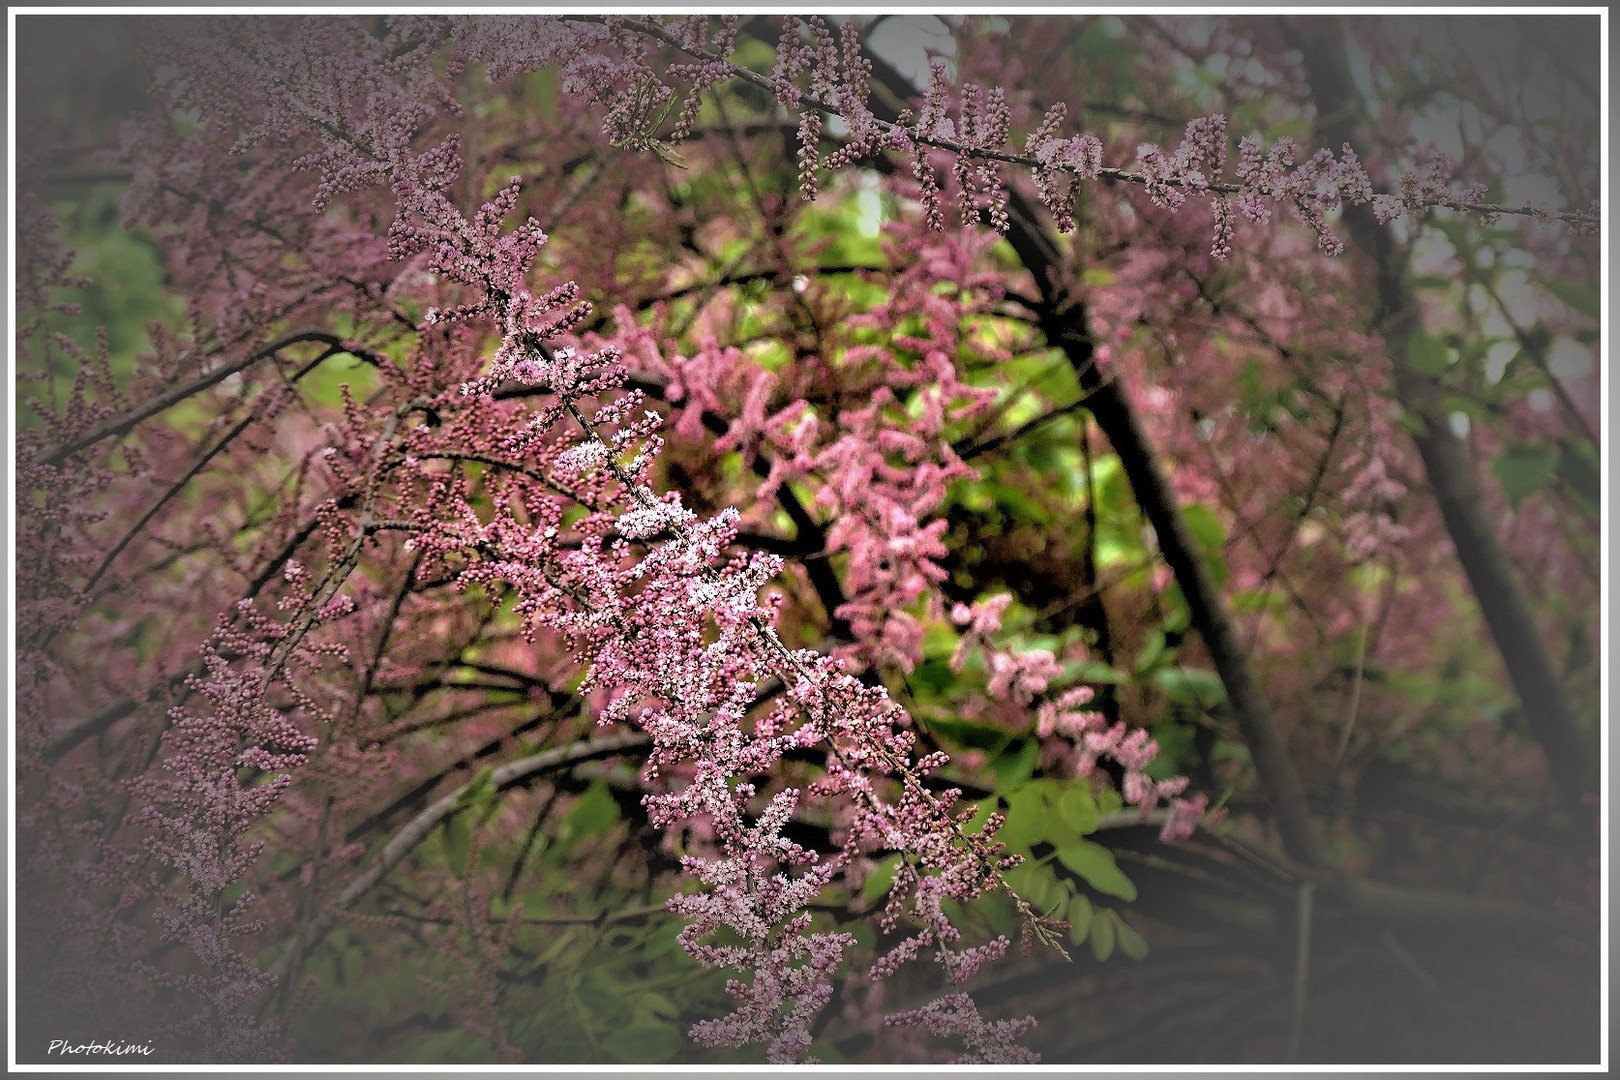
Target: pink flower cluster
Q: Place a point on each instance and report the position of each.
(1021, 676)
(225, 767)
(988, 1042)
(1426, 186)
(1064, 163)
(1370, 529)
(1312, 189)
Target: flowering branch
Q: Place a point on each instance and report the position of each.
(1320, 184)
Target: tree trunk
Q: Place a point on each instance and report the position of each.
(1450, 473)
(1064, 323)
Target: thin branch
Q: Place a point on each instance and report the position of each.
(173, 397)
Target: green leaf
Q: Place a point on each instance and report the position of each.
(1131, 943)
(662, 941)
(324, 386)
(1035, 884)
(1091, 671)
(939, 640)
(1095, 865)
(1153, 653)
(1019, 504)
(1414, 423)
(1026, 818)
(667, 155)
(999, 912)
(606, 1001)
(1522, 469)
(1109, 801)
(594, 812)
(653, 1004)
(1192, 687)
(455, 1047)
(971, 734)
(878, 881)
(1205, 526)
(827, 1053)
(1427, 354)
(457, 838)
(478, 788)
(975, 824)
(935, 675)
(1578, 469)
(1078, 810)
(1017, 765)
(1473, 408)
(1079, 918)
(1102, 933)
(1175, 750)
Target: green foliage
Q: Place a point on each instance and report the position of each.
(456, 1046)
(1096, 866)
(1078, 810)
(610, 996)
(1016, 764)
(1523, 468)
(581, 983)
(878, 881)
(1079, 918)
(457, 837)
(1177, 751)
(1427, 354)
(1027, 816)
(1193, 688)
(593, 814)
(1102, 933)
(324, 386)
(1578, 470)
(1131, 943)
(127, 279)
(1105, 929)
(846, 230)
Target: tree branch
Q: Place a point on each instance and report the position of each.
(173, 397)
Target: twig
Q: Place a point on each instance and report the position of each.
(1356, 681)
(173, 397)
